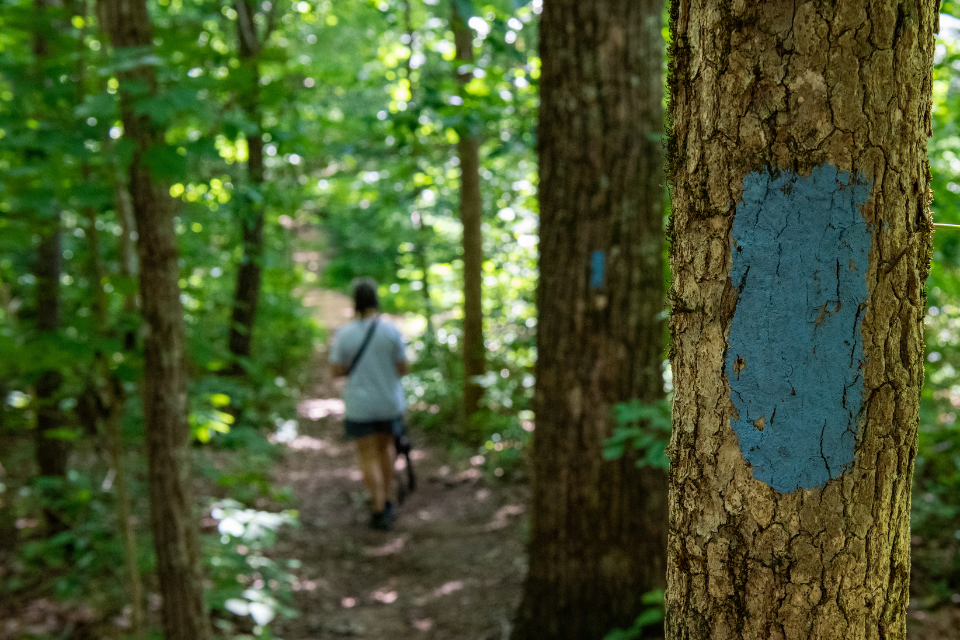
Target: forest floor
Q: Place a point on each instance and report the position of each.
(451, 568)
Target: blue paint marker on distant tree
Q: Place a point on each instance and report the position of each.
(799, 262)
(598, 264)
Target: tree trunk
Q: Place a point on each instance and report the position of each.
(165, 384)
(51, 452)
(598, 539)
(115, 407)
(423, 263)
(801, 242)
(123, 208)
(471, 214)
(252, 210)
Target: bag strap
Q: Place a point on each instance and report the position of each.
(363, 346)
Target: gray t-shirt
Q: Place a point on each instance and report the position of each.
(373, 390)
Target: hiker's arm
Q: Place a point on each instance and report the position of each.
(400, 355)
(337, 367)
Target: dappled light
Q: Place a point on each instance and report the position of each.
(321, 408)
(448, 588)
(479, 319)
(394, 546)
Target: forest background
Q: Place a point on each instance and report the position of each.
(360, 106)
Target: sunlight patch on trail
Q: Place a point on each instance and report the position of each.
(448, 588)
(423, 625)
(310, 585)
(307, 443)
(384, 596)
(390, 548)
(319, 408)
(502, 518)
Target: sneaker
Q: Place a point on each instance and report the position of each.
(377, 521)
(389, 515)
(383, 520)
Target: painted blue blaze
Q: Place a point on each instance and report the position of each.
(598, 263)
(800, 256)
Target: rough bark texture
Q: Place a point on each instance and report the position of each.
(250, 273)
(471, 215)
(598, 539)
(165, 408)
(775, 87)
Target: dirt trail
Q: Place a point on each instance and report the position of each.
(451, 568)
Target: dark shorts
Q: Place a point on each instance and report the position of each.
(354, 430)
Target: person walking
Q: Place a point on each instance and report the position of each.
(371, 353)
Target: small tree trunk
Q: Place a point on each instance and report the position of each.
(423, 263)
(165, 384)
(51, 452)
(598, 534)
(116, 404)
(123, 207)
(801, 242)
(115, 408)
(471, 215)
(250, 273)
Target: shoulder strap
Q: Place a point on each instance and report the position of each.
(363, 345)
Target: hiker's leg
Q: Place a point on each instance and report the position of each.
(370, 466)
(385, 458)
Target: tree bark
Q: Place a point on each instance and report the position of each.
(123, 208)
(165, 384)
(51, 452)
(598, 538)
(471, 216)
(250, 273)
(801, 242)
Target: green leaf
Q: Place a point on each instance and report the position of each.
(220, 400)
(63, 433)
(165, 163)
(612, 452)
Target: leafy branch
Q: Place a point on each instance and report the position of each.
(644, 428)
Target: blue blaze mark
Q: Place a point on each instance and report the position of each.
(800, 257)
(598, 262)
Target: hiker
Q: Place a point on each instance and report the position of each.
(371, 352)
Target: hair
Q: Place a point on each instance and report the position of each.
(365, 295)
